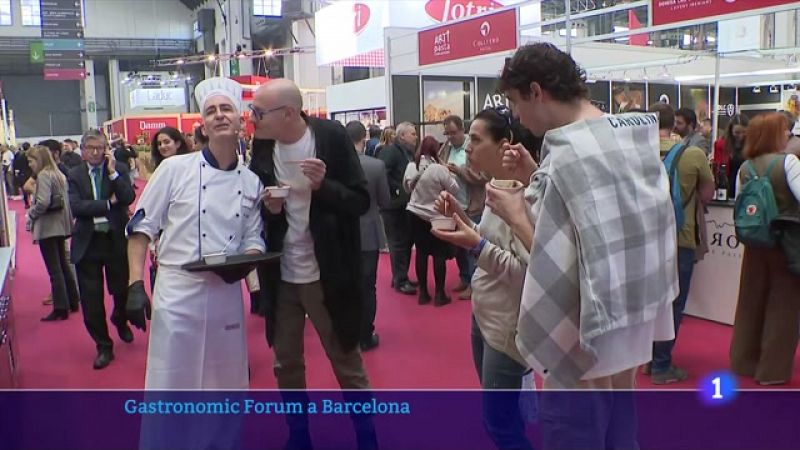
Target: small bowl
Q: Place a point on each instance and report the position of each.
(278, 191)
(443, 223)
(508, 185)
(215, 258)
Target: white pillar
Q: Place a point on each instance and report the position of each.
(785, 29)
(89, 97)
(114, 80)
(239, 12)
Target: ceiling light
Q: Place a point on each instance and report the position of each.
(773, 89)
(179, 62)
(756, 89)
(211, 57)
(626, 77)
(741, 74)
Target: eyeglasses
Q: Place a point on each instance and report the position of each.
(259, 113)
(94, 148)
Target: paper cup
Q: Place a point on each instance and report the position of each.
(508, 185)
(443, 223)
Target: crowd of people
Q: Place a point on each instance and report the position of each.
(575, 235)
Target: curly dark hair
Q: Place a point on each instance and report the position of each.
(555, 71)
(173, 134)
(501, 125)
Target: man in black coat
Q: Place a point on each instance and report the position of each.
(396, 218)
(99, 195)
(22, 171)
(316, 227)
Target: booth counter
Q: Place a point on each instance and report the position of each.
(715, 282)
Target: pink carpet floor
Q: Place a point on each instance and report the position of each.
(422, 347)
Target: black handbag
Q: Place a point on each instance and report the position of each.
(787, 228)
(56, 201)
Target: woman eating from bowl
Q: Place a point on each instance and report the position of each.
(502, 260)
(424, 179)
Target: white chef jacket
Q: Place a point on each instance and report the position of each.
(197, 337)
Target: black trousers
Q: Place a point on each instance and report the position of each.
(369, 277)
(103, 256)
(62, 281)
(398, 233)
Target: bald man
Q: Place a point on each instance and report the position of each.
(317, 228)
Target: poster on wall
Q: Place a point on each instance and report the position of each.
(441, 98)
(672, 11)
(627, 96)
(790, 101)
(696, 98)
(600, 95)
(662, 93)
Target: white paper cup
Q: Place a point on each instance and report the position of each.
(508, 185)
(215, 258)
(278, 191)
(443, 223)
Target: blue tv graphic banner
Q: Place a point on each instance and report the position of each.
(404, 420)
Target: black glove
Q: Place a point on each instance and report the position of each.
(138, 306)
(233, 275)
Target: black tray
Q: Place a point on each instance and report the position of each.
(234, 262)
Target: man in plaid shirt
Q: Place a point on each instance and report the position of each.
(601, 229)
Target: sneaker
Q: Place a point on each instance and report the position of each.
(672, 375)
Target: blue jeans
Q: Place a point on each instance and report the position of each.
(502, 416)
(662, 350)
(464, 259)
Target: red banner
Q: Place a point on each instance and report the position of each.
(147, 127)
(189, 122)
(671, 11)
(474, 37)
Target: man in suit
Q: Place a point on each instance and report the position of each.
(396, 218)
(374, 140)
(99, 195)
(372, 239)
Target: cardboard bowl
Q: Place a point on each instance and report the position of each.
(443, 223)
(278, 191)
(215, 258)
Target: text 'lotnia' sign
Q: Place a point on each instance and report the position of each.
(479, 36)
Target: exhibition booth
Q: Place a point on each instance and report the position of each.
(452, 68)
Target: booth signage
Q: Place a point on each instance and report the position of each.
(672, 11)
(361, 15)
(157, 98)
(148, 126)
(475, 37)
(447, 10)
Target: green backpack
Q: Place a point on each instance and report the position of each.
(756, 208)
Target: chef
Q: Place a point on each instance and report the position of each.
(203, 203)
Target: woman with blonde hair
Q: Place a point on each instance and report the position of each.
(387, 137)
(50, 221)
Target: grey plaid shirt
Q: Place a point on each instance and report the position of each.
(604, 244)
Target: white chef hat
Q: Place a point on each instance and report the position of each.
(218, 86)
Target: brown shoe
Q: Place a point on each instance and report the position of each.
(461, 287)
(466, 294)
(48, 300)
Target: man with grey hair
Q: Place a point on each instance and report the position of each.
(99, 195)
(200, 204)
(396, 219)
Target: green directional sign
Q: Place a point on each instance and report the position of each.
(234, 67)
(37, 52)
